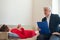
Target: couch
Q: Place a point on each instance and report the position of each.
(4, 35)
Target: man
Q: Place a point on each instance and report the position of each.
(53, 21)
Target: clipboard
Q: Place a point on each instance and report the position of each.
(44, 27)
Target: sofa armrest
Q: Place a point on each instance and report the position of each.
(3, 35)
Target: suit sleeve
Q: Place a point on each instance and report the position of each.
(59, 23)
(59, 19)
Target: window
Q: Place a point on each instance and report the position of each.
(55, 7)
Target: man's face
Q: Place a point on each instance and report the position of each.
(47, 11)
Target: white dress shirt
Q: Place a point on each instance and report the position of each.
(48, 19)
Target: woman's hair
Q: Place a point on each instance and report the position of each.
(4, 28)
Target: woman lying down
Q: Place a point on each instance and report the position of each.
(18, 32)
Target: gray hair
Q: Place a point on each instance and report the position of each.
(50, 8)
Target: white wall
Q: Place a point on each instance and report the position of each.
(16, 12)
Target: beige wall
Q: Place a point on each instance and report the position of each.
(38, 10)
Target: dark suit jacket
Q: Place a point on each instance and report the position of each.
(53, 23)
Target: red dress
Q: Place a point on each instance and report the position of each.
(24, 33)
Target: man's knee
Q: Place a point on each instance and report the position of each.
(53, 37)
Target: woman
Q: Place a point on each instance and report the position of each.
(23, 33)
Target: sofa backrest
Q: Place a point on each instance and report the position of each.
(28, 27)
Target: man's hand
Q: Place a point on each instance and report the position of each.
(56, 33)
